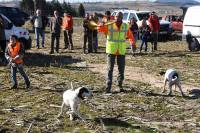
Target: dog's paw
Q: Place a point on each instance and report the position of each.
(71, 117)
(59, 116)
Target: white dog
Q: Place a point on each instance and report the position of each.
(72, 98)
(173, 78)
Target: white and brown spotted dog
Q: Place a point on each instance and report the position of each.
(173, 78)
(72, 99)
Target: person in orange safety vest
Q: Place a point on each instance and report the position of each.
(14, 54)
(67, 26)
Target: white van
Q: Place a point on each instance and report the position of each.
(191, 28)
(20, 32)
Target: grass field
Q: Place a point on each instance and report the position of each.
(143, 108)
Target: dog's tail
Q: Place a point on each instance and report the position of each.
(175, 78)
(162, 73)
(72, 87)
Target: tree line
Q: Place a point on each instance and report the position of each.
(30, 6)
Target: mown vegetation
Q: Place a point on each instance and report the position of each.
(143, 108)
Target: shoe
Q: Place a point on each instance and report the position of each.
(121, 88)
(51, 52)
(13, 87)
(27, 85)
(108, 91)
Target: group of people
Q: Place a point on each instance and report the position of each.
(115, 30)
(57, 24)
(117, 33)
(147, 32)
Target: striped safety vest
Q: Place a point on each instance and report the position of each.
(116, 39)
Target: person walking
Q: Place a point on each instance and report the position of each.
(86, 32)
(14, 54)
(155, 27)
(67, 26)
(117, 33)
(39, 23)
(55, 28)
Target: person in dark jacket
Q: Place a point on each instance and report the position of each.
(134, 28)
(55, 27)
(145, 34)
(86, 31)
(39, 22)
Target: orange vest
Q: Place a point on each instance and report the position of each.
(14, 51)
(67, 23)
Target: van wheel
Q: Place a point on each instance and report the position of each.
(193, 45)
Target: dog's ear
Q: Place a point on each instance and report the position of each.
(162, 73)
(81, 91)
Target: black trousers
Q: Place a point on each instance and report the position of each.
(86, 40)
(68, 39)
(110, 67)
(55, 36)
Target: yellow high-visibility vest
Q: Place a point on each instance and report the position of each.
(116, 39)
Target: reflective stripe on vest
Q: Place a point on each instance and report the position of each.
(14, 51)
(116, 39)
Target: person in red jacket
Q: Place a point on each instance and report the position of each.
(67, 25)
(155, 27)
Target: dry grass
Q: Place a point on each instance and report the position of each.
(142, 109)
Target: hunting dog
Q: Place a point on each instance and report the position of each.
(173, 78)
(72, 99)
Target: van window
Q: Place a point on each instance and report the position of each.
(142, 15)
(125, 16)
(131, 16)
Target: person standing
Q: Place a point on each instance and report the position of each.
(55, 28)
(134, 28)
(67, 25)
(155, 27)
(117, 33)
(145, 33)
(39, 22)
(95, 33)
(90, 34)
(86, 31)
(107, 17)
(14, 54)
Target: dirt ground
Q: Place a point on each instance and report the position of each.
(143, 108)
